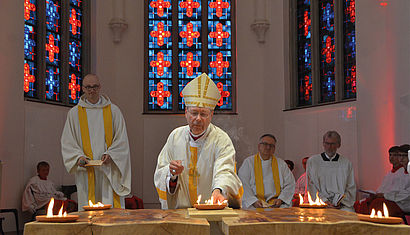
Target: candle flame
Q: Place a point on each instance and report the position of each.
(60, 212)
(300, 199)
(199, 199)
(318, 201)
(50, 210)
(98, 204)
(379, 214)
(211, 201)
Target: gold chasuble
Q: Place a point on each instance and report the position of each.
(85, 136)
(260, 191)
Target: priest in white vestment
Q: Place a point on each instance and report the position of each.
(331, 175)
(197, 159)
(95, 133)
(267, 180)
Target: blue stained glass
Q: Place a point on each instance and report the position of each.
(77, 3)
(74, 88)
(53, 83)
(223, 12)
(349, 52)
(154, 13)
(153, 101)
(195, 28)
(224, 67)
(164, 26)
(30, 75)
(75, 22)
(181, 84)
(195, 64)
(75, 55)
(304, 53)
(29, 42)
(53, 48)
(226, 102)
(215, 30)
(53, 15)
(30, 12)
(194, 14)
(154, 72)
(327, 51)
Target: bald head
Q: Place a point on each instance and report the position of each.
(91, 88)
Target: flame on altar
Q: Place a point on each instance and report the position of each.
(379, 214)
(50, 210)
(98, 204)
(210, 201)
(318, 201)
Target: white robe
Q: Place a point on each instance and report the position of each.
(247, 175)
(38, 193)
(396, 187)
(301, 185)
(215, 165)
(332, 179)
(115, 175)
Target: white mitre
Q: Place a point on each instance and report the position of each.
(201, 92)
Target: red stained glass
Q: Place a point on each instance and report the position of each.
(189, 5)
(28, 78)
(74, 87)
(224, 94)
(74, 22)
(51, 48)
(189, 34)
(160, 5)
(160, 34)
(219, 5)
(328, 50)
(28, 7)
(160, 94)
(306, 88)
(160, 63)
(189, 63)
(306, 23)
(219, 64)
(219, 34)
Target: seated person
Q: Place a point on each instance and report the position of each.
(405, 161)
(301, 185)
(331, 175)
(394, 190)
(267, 180)
(40, 190)
(291, 165)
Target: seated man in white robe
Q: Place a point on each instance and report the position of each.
(267, 180)
(199, 158)
(331, 175)
(394, 190)
(39, 190)
(94, 145)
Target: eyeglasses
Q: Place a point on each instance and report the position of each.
(95, 87)
(267, 145)
(328, 143)
(201, 114)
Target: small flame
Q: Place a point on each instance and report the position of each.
(60, 212)
(50, 208)
(199, 199)
(99, 204)
(379, 213)
(318, 201)
(211, 201)
(300, 199)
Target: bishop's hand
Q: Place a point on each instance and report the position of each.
(176, 167)
(82, 161)
(217, 196)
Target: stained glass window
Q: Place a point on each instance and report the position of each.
(30, 48)
(54, 77)
(320, 75)
(186, 38)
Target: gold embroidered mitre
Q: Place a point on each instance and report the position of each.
(201, 92)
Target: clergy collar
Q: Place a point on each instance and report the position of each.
(196, 137)
(89, 103)
(326, 158)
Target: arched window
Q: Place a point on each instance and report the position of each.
(324, 60)
(184, 38)
(56, 53)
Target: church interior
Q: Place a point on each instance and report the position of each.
(369, 124)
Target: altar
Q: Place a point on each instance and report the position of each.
(271, 221)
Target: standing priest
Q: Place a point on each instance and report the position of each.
(95, 130)
(199, 158)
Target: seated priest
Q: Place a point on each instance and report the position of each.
(199, 158)
(40, 190)
(267, 180)
(331, 175)
(394, 190)
(301, 185)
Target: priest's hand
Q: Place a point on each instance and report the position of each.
(106, 158)
(217, 196)
(276, 203)
(176, 167)
(258, 204)
(82, 161)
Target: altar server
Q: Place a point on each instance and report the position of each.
(331, 175)
(199, 158)
(301, 183)
(95, 130)
(267, 179)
